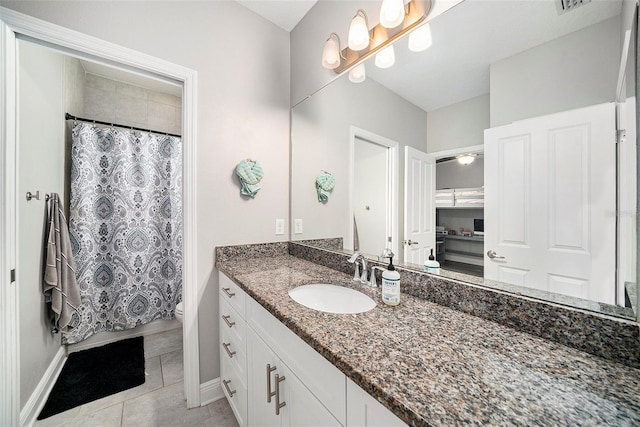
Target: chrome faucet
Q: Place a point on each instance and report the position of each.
(372, 279)
(357, 277)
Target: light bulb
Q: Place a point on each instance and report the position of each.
(466, 159)
(358, 32)
(331, 54)
(391, 13)
(386, 57)
(358, 73)
(420, 38)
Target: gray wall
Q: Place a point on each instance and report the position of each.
(573, 71)
(243, 111)
(454, 175)
(458, 125)
(40, 167)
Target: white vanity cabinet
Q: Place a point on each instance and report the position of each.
(365, 411)
(271, 377)
(278, 398)
(233, 351)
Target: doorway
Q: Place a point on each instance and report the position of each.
(13, 27)
(373, 191)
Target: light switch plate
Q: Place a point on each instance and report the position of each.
(279, 227)
(297, 226)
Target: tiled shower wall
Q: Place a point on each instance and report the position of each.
(117, 102)
(95, 97)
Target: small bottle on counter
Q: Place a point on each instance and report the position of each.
(391, 284)
(431, 265)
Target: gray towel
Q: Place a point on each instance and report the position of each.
(61, 290)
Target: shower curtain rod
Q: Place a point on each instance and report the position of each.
(68, 116)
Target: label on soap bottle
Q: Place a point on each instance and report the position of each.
(390, 291)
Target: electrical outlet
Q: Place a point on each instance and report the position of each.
(279, 227)
(297, 226)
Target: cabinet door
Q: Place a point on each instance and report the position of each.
(261, 405)
(364, 411)
(302, 408)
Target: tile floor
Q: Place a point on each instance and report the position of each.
(157, 402)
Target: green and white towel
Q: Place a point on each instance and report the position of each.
(250, 174)
(324, 184)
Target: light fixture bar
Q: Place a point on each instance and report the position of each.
(382, 37)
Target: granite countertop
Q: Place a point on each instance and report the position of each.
(432, 365)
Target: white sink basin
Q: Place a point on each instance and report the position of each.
(332, 298)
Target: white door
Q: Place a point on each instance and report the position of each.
(550, 188)
(419, 205)
(371, 198)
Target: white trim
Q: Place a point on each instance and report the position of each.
(211, 391)
(74, 43)
(38, 398)
(455, 151)
(392, 184)
(9, 343)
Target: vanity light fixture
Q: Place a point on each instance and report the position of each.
(364, 43)
(386, 57)
(359, 31)
(391, 13)
(466, 159)
(358, 74)
(331, 52)
(420, 38)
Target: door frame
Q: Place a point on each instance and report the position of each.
(392, 184)
(14, 26)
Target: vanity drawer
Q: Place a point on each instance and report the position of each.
(234, 354)
(235, 391)
(232, 293)
(232, 323)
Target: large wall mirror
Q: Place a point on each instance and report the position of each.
(534, 97)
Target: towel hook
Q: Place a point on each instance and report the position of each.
(30, 195)
(36, 196)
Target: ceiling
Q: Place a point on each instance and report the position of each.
(284, 13)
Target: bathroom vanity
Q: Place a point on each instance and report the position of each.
(419, 363)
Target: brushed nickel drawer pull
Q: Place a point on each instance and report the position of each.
(228, 292)
(279, 405)
(226, 385)
(226, 347)
(226, 320)
(270, 393)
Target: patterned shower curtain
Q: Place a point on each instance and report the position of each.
(125, 227)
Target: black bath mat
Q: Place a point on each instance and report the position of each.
(95, 373)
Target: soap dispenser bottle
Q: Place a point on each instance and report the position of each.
(431, 265)
(391, 284)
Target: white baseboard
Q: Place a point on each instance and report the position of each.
(38, 398)
(104, 338)
(210, 392)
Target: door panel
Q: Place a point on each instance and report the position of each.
(259, 355)
(419, 206)
(550, 202)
